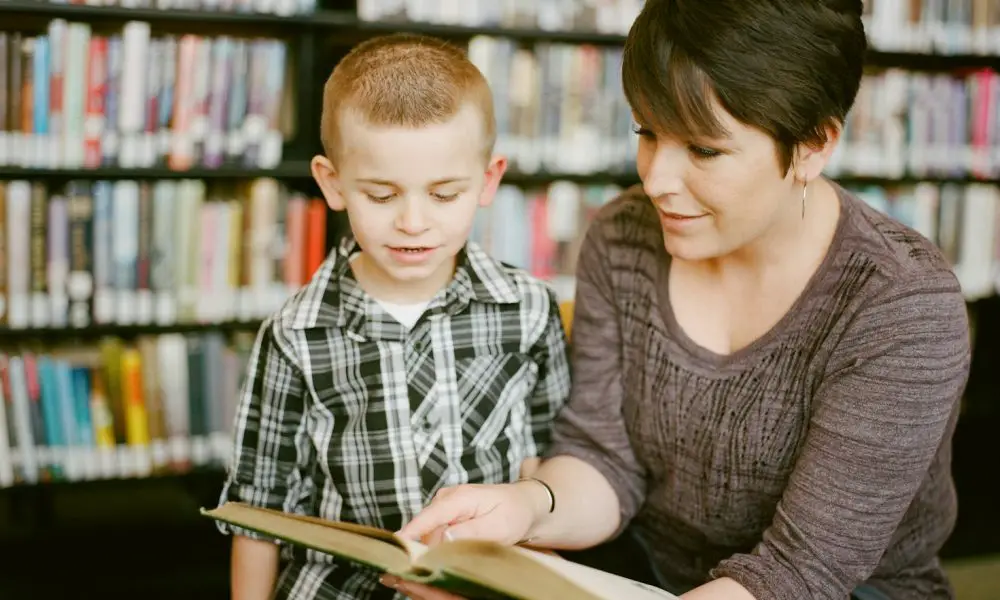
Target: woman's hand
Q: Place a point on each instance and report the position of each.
(502, 513)
(416, 591)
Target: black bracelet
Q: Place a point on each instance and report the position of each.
(552, 496)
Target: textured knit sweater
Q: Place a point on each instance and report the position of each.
(811, 461)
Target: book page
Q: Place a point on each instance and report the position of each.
(604, 584)
(368, 545)
(526, 574)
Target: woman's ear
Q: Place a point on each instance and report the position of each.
(326, 178)
(811, 158)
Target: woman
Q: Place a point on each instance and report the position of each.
(767, 371)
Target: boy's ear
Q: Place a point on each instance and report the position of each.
(494, 173)
(326, 177)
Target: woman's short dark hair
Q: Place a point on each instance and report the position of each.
(787, 67)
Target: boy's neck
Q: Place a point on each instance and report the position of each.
(382, 286)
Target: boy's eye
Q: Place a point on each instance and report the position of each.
(379, 199)
(703, 152)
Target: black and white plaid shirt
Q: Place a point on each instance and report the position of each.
(346, 414)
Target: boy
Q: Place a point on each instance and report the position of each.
(411, 361)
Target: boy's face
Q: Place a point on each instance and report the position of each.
(411, 195)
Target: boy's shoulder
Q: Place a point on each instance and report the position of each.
(314, 304)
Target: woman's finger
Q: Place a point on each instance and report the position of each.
(440, 513)
(416, 591)
(435, 537)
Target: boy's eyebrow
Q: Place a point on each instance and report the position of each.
(386, 182)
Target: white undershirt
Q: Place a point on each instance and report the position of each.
(406, 314)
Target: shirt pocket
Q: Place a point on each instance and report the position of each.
(492, 389)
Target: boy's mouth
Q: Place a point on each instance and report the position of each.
(410, 249)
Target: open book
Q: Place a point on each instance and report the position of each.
(474, 569)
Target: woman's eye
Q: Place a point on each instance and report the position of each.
(704, 152)
(642, 132)
(445, 197)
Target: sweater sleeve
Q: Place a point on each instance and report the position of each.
(888, 403)
(591, 427)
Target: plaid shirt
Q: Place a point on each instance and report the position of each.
(347, 415)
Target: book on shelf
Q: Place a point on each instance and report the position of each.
(119, 408)
(285, 8)
(933, 26)
(161, 252)
(82, 98)
(559, 107)
(475, 569)
(922, 125)
(587, 16)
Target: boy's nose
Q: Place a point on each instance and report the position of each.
(411, 218)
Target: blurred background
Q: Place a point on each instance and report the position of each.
(123, 340)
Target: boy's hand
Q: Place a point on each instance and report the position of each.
(416, 591)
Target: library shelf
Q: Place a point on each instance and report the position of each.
(194, 475)
(299, 170)
(931, 61)
(859, 180)
(286, 170)
(623, 179)
(91, 13)
(122, 331)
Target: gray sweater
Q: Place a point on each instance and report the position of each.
(810, 461)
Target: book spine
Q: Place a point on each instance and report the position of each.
(58, 259)
(81, 280)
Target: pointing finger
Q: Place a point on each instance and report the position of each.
(440, 513)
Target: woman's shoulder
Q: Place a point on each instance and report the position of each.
(896, 255)
(898, 282)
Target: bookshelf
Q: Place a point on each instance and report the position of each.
(314, 41)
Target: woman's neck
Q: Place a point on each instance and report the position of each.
(794, 242)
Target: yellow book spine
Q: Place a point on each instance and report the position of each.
(136, 420)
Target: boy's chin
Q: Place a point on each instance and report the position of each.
(431, 270)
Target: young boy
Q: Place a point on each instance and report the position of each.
(412, 360)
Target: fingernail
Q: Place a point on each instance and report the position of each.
(389, 581)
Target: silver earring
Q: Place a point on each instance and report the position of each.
(805, 186)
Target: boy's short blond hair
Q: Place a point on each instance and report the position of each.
(404, 80)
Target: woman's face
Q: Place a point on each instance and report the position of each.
(717, 196)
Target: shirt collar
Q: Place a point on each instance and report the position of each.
(478, 278)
